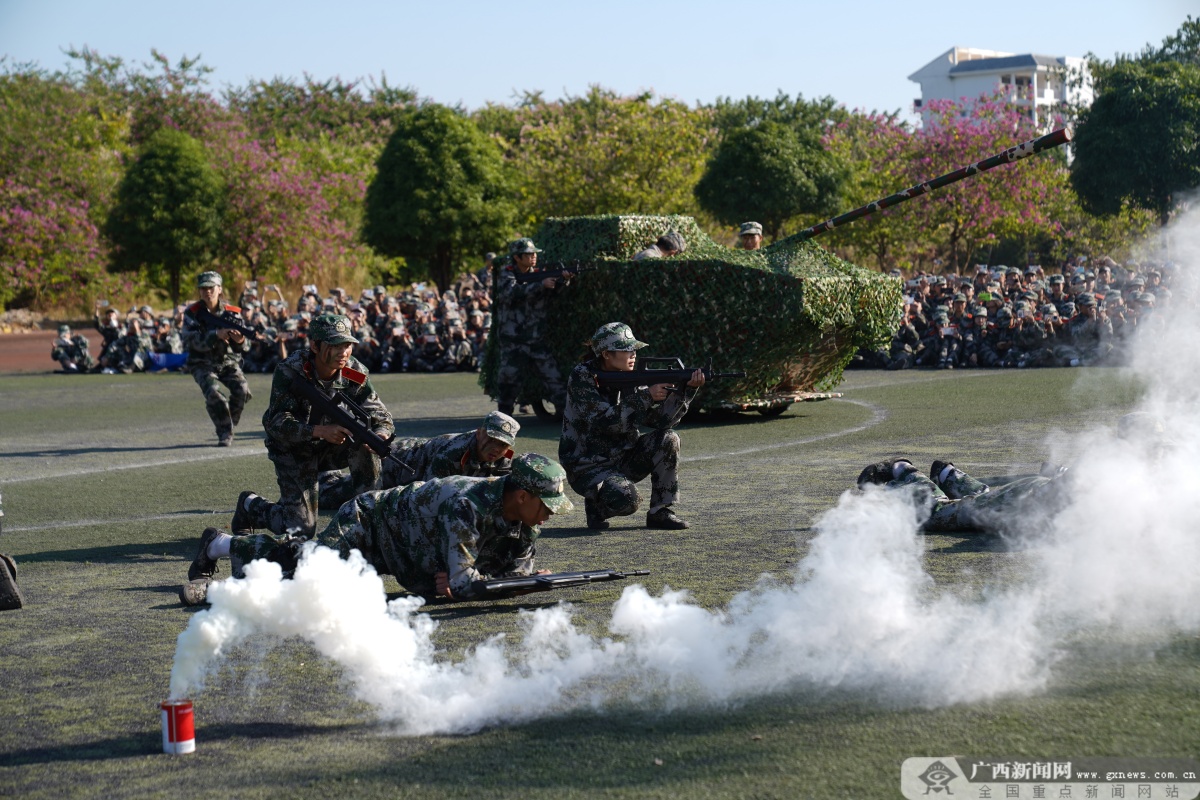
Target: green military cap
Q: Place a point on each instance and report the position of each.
(500, 426)
(1086, 299)
(1068, 309)
(331, 329)
(525, 245)
(1112, 295)
(63, 330)
(291, 324)
(1048, 310)
(1013, 271)
(1057, 279)
(960, 298)
(208, 279)
(1146, 297)
(979, 311)
(750, 228)
(615, 336)
(1004, 313)
(1137, 281)
(542, 478)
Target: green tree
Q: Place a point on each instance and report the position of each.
(1138, 143)
(167, 216)
(770, 173)
(441, 194)
(799, 114)
(602, 153)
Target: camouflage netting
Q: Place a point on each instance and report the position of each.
(791, 315)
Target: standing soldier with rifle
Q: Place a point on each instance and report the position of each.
(324, 414)
(522, 308)
(601, 448)
(215, 345)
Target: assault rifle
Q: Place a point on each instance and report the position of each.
(535, 275)
(498, 588)
(226, 320)
(674, 373)
(351, 416)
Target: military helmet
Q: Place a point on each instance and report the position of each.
(542, 478)
(615, 336)
(524, 245)
(331, 329)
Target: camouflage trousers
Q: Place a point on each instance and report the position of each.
(297, 471)
(252, 546)
(338, 486)
(518, 360)
(612, 489)
(225, 414)
(962, 503)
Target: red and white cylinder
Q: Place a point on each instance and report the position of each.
(178, 726)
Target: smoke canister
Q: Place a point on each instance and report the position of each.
(179, 728)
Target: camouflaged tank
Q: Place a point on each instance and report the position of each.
(790, 315)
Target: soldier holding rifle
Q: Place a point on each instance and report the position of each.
(302, 442)
(602, 449)
(215, 355)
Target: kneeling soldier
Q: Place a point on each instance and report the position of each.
(601, 448)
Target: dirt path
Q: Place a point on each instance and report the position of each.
(30, 352)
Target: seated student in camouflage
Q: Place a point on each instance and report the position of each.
(436, 537)
(603, 451)
(215, 358)
(485, 452)
(71, 352)
(134, 348)
(301, 441)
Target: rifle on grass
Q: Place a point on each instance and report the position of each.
(497, 588)
(226, 320)
(351, 416)
(673, 373)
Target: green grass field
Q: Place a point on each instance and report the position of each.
(107, 482)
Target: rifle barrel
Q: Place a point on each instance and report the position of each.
(1015, 153)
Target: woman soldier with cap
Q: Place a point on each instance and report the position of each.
(601, 448)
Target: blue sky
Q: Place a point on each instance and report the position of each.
(475, 52)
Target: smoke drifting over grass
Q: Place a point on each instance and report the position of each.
(861, 616)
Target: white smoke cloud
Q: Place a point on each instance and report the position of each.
(861, 615)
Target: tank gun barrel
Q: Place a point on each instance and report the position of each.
(1015, 153)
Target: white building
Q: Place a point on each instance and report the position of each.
(1043, 84)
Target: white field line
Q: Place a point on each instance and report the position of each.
(878, 415)
(86, 523)
(222, 453)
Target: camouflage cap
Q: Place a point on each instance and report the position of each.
(208, 279)
(678, 243)
(615, 336)
(1004, 313)
(500, 426)
(331, 329)
(1086, 299)
(1068, 309)
(291, 325)
(960, 298)
(750, 228)
(1057, 279)
(979, 312)
(525, 245)
(542, 478)
(1146, 297)
(63, 330)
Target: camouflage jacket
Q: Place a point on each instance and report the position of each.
(289, 419)
(522, 307)
(1089, 334)
(453, 525)
(75, 348)
(169, 343)
(203, 347)
(1030, 336)
(131, 345)
(441, 457)
(600, 426)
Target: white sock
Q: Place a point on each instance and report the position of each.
(946, 472)
(900, 467)
(219, 547)
(655, 509)
(250, 498)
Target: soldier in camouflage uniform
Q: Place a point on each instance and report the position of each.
(301, 441)
(134, 348)
(71, 352)
(522, 309)
(1091, 334)
(436, 537)
(215, 358)
(1030, 347)
(481, 453)
(602, 449)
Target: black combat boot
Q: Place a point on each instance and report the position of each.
(594, 520)
(241, 514)
(665, 519)
(203, 566)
